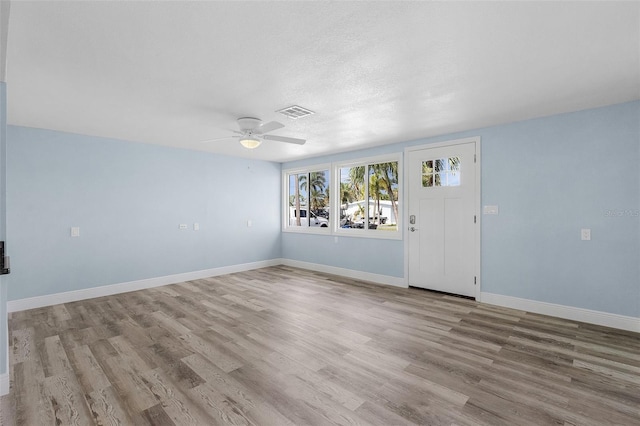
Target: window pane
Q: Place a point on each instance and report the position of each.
(454, 175)
(375, 193)
(454, 164)
(383, 196)
(318, 190)
(297, 200)
(352, 202)
(441, 164)
(427, 173)
(309, 199)
(453, 179)
(369, 197)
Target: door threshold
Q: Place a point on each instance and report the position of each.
(445, 293)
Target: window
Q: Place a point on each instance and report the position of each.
(308, 206)
(441, 172)
(367, 204)
(369, 198)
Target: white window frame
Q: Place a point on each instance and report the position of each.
(334, 228)
(368, 233)
(285, 200)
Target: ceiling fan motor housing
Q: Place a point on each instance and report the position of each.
(248, 123)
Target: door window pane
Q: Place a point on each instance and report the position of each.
(441, 172)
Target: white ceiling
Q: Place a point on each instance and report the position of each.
(177, 73)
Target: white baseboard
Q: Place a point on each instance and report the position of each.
(349, 273)
(561, 311)
(568, 312)
(4, 378)
(108, 290)
(4, 383)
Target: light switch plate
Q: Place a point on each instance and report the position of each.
(490, 210)
(75, 231)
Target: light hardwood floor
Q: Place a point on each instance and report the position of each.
(281, 346)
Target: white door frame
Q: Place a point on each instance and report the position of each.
(477, 202)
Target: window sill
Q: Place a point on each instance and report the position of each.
(359, 233)
(307, 230)
(355, 233)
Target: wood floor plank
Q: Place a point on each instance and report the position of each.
(89, 372)
(228, 401)
(376, 414)
(33, 406)
(220, 356)
(130, 386)
(320, 383)
(67, 399)
(175, 403)
(106, 408)
(415, 406)
(291, 398)
(286, 346)
(22, 344)
(157, 416)
(55, 360)
(224, 411)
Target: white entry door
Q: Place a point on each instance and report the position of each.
(442, 206)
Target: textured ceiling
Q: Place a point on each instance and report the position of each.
(177, 73)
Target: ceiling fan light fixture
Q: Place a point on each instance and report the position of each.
(250, 143)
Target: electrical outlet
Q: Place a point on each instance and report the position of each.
(196, 226)
(585, 234)
(183, 226)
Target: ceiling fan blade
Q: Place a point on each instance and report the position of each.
(284, 139)
(268, 127)
(220, 139)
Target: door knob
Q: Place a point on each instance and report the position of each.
(413, 229)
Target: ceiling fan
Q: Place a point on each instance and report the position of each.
(253, 132)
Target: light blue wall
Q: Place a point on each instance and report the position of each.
(376, 256)
(128, 200)
(3, 229)
(550, 177)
